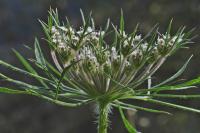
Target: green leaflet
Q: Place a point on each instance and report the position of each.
(107, 25)
(11, 91)
(172, 96)
(174, 105)
(24, 62)
(122, 23)
(62, 103)
(24, 72)
(167, 104)
(134, 32)
(169, 28)
(166, 88)
(176, 74)
(46, 30)
(51, 67)
(127, 124)
(130, 106)
(28, 66)
(30, 92)
(26, 86)
(62, 76)
(82, 16)
(192, 82)
(186, 85)
(17, 82)
(38, 54)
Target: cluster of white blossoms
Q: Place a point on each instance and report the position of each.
(69, 43)
(84, 46)
(98, 57)
(166, 43)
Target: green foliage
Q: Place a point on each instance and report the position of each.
(127, 124)
(109, 74)
(38, 54)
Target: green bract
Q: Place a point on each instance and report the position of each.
(105, 66)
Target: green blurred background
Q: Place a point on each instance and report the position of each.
(19, 26)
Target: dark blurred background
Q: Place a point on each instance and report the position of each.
(19, 26)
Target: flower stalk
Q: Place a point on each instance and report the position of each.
(103, 118)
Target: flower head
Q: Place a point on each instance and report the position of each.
(99, 61)
(94, 66)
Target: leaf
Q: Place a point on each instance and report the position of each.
(82, 16)
(93, 23)
(24, 62)
(24, 72)
(134, 32)
(166, 88)
(11, 91)
(63, 75)
(122, 22)
(186, 85)
(17, 82)
(85, 27)
(55, 17)
(127, 124)
(107, 25)
(130, 106)
(123, 87)
(191, 82)
(169, 26)
(62, 103)
(28, 66)
(151, 44)
(50, 21)
(56, 72)
(176, 74)
(169, 30)
(46, 30)
(174, 105)
(31, 92)
(39, 55)
(173, 96)
(115, 39)
(169, 104)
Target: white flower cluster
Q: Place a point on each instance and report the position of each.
(57, 38)
(84, 45)
(73, 45)
(63, 36)
(86, 53)
(165, 43)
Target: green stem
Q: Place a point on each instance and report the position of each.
(103, 118)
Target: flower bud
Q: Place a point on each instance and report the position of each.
(136, 56)
(107, 67)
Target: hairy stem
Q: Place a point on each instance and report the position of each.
(103, 118)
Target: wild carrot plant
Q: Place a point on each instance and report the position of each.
(105, 66)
